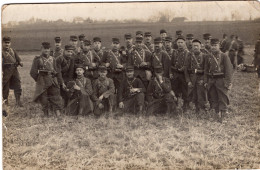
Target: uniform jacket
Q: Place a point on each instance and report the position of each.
(103, 87)
(178, 60)
(139, 56)
(65, 67)
(57, 52)
(149, 47)
(161, 58)
(113, 58)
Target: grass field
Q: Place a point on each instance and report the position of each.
(130, 142)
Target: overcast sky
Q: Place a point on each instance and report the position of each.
(193, 11)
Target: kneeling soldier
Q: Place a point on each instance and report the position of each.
(80, 92)
(159, 93)
(103, 92)
(45, 73)
(131, 92)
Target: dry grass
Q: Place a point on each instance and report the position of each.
(130, 142)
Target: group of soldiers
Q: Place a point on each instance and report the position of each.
(146, 75)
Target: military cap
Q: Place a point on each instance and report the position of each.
(87, 42)
(196, 40)
(46, 45)
(224, 35)
(81, 37)
(6, 39)
(158, 69)
(73, 38)
(102, 68)
(138, 39)
(147, 34)
(180, 37)
(69, 47)
(214, 41)
(168, 39)
(129, 68)
(115, 40)
(179, 32)
(128, 36)
(95, 39)
(80, 66)
(206, 36)
(189, 36)
(57, 39)
(139, 32)
(162, 31)
(232, 36)
(157, 40)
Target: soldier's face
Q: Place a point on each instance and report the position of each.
(79, 71)
(73, 43)
(97, 45)
(129, 41)
(115, 46)
(158, 46)
(196, 46)
(215, 47)
(6, 45)
(138, 45)
(130, 74)
(207, 41)
(163, 35)
(148, 38)
(139, 35)
(57, 44)
(86, 47)
(189, 41)
(68, 53)
(46, 51)
(168, 44)
(102, 74)
(81, 44)
(181, 43)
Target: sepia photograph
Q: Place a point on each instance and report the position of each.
(131, 85)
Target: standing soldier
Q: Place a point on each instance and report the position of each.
(160, 57)
(163, 35)
(148, 45)
(45, 73)
(206, 47)
(141, 60)
(257, 58)
(217, 79)
(65, 66)
(131, 92)
(223, 43)
(240, 51)
(189, 39)
(168, 46)
(97, 47)
(81, 41)
(195, 72)
(232, 48)
(159, 93)
(74, 43)
(178, 64)
(129, 46)
(139, 34)
(89, 59)
(58, 49)
(177, 34)
(103, 92)
(11, 78)
(115, 63)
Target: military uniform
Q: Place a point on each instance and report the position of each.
(223, 43)
(257, 56)
(159, 95)
(131, 99)
(217, 75)
(169, 50)
(195, 74)
(148, 45)
(240, 52)
(106, 88)
(76, 50)
(206, 48)
(11, 78)
(232, 48)
(45, 72)
(178, 64)
(58, 51)
(136, 58)
(174, 44)
(189, 37)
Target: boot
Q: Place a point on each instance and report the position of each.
(58, 113)
(169, 109)
(18, 101)
(140, 110)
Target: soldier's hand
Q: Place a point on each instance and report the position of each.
(76, 87)
(121, 105)
(124, 52)
(190, 84)
(21, 64)
(171, 76)
(206, 85)
(143, 64)
(160, 78)
(93, 64)
(100, 106)
(101, 97)
(229, 86)
(107, 64)
(119, 66)
(64, 86)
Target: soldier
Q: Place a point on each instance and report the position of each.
(89, 59)
(103, 92)
(159, 93)
(45, 73)
(189, 39)
(141, 60)
(240, 51)
(115, 63)
(168, 46)
(232, 48)
(160, 57)
(131, 92)
(129, 46)
(81, 41)
(139, 34)
(58, 49)
(74, 43)
(194, 75)
(148, 45)
(257, 58)
(223, 43)
(163, 35)
(206, 48)
(177, 34)
(65, 66)
(80, 91)
(97, 46)
(11, 78)
(178, 64)
(217, 79)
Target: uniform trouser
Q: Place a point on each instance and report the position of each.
(108, 105)
(51, 97)
(233, 58)
(14, 82)
(133, 102)
(160, 105)
(218, 94)
(199, 92)
(64, 95)
(117, 77)
(140, 73)
(180, 86)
